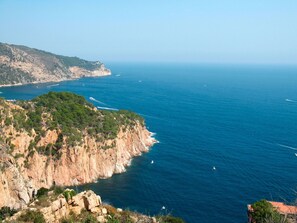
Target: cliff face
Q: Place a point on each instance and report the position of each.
(23, 65)
(30, 160)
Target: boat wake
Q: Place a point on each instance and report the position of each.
(290, 100)
(288, 147)
(106, 108)
(94, 99)
(53, 85)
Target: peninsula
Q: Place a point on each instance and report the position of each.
(59, 139)
(23, 65)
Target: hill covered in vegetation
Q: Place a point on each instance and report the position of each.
(22, 65)
(61, 139)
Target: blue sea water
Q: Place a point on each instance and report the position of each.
(240, 119)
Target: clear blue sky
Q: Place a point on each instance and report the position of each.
(214, 31)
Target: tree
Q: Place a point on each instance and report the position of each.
(264, 212)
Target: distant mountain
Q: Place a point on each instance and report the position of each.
(23, 65)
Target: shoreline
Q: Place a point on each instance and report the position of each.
(52, 81)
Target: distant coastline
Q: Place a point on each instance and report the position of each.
(20, 65)
(48, 82)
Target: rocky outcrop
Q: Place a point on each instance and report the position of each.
(23, 65)
(24, 169)
(15, 190)
(87, 202)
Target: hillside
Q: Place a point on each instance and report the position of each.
(61, 139)
(23, 65)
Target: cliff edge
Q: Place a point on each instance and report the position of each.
(61, 139)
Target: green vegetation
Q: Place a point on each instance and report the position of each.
(32, 216)
(169, 219)
(68, 194)
(52, 64)
(6, 212)
(75, 61)
(264, 212)
(84, 217)
(10, 75)
(44, 191)
(72, 116)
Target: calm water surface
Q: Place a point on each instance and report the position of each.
(240, 119)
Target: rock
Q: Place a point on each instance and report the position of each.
(119, 209)
(76, 210)
(77, 200)
(91, 200)
(95, 210)
(58, 204)
(101, 219)
(104, 211)
(23, 195)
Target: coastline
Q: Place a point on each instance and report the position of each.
(75, 166)
(52, 81)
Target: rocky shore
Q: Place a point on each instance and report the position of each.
(30, 160)
(66, 206)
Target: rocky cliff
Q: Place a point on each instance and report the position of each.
(60, 139)
(22, 65)
(67, 207)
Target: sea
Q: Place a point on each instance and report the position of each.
(227, 136)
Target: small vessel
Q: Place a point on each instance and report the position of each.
(213, 168)
(163, 208)
(295, 154)
(152, 162)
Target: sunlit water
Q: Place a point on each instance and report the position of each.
(242, 120)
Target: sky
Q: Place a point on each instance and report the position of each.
(195, 31)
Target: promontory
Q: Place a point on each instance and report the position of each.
(23, 65)
(60, 139)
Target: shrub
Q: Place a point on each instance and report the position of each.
(6, 212)
(170, 219)
(42, 192)
(84, 217)
(32, 216)
(68, 194)
(57, 190)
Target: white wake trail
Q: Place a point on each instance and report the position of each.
(290, 100)
(288, 147)
(94, 99)
(106, 108)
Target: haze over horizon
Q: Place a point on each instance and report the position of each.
(226, 31)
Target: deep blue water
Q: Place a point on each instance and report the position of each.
(235, 118)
